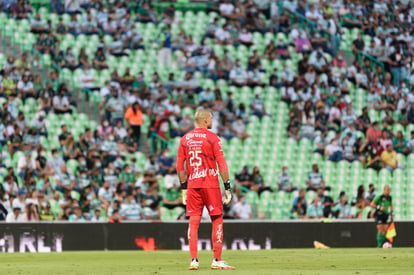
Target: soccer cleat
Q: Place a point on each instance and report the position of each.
(194, 264)
(221, 265)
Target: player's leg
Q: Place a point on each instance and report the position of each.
(194, 211)
(217, 236)
(193, 240)
(213, 201)
(381, 229)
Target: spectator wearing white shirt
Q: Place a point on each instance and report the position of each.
(116, 47)
(288, 93)
(10, 186)
(207, 95)
(257, 106)
(226, 9)
(287, 74)
(115, 107)
(20, 201)
(130, 209)
(110, 27)
(335, 115)
(333, 151)
(361, 79)
(40, 124)
(320, 142)
(72, 6)
(37, 25)
(97, 216)
(151, 167)
(89, 26)
(242, 209)
(105, 195)
(313, 14)
(254, 78)
(65, 181)
(212, 27)
(56, 161)
(238, 75)
(223, 36)
(348, 118)
(61, 104)
(245, 37)
(290, 5)
(380, 6)
(73, 25)
(16, 216)
(25, 87)
(26, 165)
(239, 128)
(284, 181)
(120, 130)
(87, 80)
(319, 62)
(134, 39)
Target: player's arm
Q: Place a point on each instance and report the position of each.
(224, 170)
(181, 172)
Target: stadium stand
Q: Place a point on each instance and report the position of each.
(290, 83)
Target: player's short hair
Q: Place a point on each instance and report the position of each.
(201, 114)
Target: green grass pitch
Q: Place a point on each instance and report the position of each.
(277, 261)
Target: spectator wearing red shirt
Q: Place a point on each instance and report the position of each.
(373, 132)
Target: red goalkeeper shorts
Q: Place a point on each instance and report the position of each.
(197, 198)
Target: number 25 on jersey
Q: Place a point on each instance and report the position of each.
(195, 159)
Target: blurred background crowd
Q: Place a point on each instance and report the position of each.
(95, 94)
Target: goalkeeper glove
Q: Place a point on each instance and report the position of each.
(227, 192)
(184, 192)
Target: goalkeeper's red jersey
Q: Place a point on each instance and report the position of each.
(201, 150)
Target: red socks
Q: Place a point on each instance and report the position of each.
(193, 235)
(217, 236)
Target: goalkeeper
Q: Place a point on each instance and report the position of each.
(383, 211)
(201, 152)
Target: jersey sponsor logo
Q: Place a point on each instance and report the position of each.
(202, 173)
(194, 143)
(219, 234)
(197, 135)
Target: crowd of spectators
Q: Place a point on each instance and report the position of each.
(320, 93)
(323, 206)
(318, 96)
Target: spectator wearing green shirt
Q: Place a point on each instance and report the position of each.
(65, 181)
(127, 176)
(284, 181)
(130, 209)
(315, 180)
(315, 210)
(77, 215)
(400, 144)
(152, 211)
(172, 196)
(143, 13)
(342, 210)
(350, 20)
